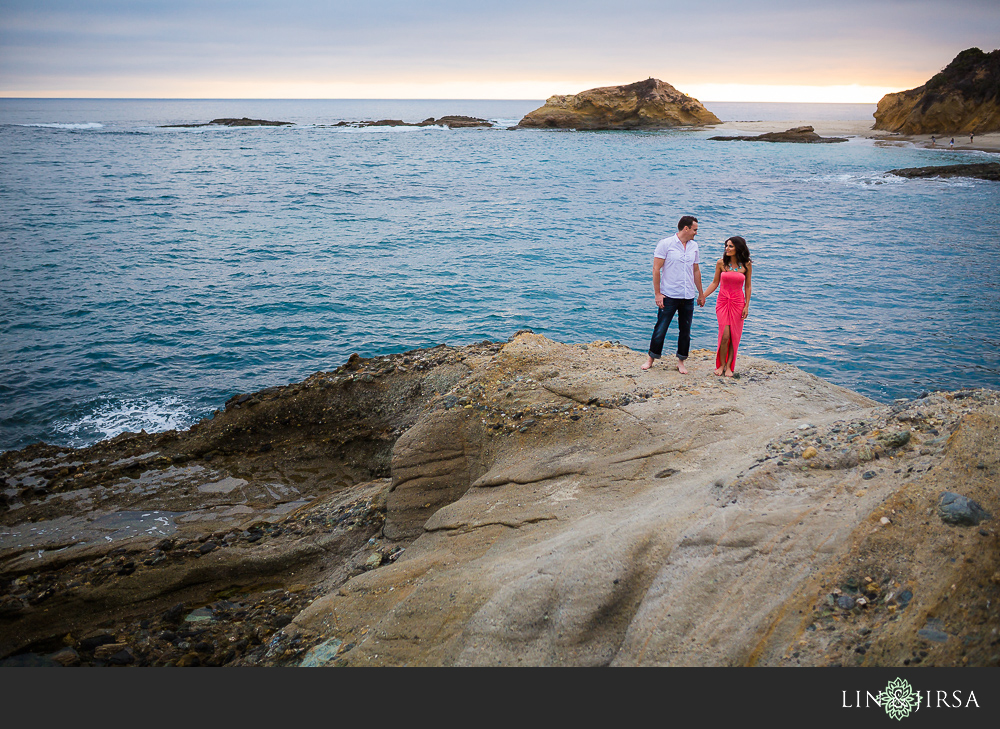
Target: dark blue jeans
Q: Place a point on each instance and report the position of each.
(685, 311)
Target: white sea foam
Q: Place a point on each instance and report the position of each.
(867, 180)
(120, 416)
(83, 125)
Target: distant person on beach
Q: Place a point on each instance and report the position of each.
(972, 137)
(732, 306)
(952, 143)
(676, 280)
(932, 140)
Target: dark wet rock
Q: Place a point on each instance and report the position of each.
(232, 122)
(450, 121)
(174, 614)
(66, 657)
(932, 634)
(868, 475)
(458, 122)
(207, 547)
(11, 606)
(960, 510)
(112, 653)
(93, 641)
(801, 135)
(980, 171)
(845, 602)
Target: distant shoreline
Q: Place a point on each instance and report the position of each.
(854, 128)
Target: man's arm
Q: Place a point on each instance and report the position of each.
(697, 283)
(657, 265)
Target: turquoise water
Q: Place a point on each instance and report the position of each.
(149, 274)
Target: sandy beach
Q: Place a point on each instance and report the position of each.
(853, 128)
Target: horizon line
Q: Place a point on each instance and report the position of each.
(366, 98)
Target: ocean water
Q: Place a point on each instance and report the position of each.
(148, 274)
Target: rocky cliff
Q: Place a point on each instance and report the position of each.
(526, 502)
(649, 104)
(963, 98)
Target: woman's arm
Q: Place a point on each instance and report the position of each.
(715, 280)
(746, 292)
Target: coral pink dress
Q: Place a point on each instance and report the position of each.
(729, 311)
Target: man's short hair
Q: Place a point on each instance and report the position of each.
(686, 222)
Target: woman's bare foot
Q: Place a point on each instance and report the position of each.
(681, 368)
(717, 372)
(649, 363)
(729, 373)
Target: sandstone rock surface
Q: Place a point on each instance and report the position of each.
(649, 104)
(800, 135)
(962, 98)
(518, 503)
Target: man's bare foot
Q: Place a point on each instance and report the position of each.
(649, 363)
(717, 372)
(681, 368)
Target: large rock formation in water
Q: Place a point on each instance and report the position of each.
(526, 502)
(963, 98)
(649, 104)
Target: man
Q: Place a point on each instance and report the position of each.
(676, 280)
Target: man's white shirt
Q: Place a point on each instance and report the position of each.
(677, 274)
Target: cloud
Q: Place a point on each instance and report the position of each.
(105, 45)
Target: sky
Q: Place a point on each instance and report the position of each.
(714, 50)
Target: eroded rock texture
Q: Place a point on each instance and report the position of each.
(963, 98)
(524, 503)
(649, 104)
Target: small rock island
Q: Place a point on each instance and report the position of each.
(963, 98)
(232, 122)
(451, 121)
(799, 135)
(979, 171)
(649, 104)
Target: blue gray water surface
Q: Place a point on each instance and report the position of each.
(149, 274)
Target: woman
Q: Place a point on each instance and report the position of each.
(733, 304)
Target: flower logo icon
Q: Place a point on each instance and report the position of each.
(899, 699)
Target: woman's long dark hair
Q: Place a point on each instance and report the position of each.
(742, 252)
